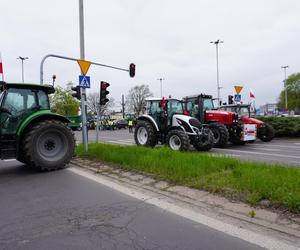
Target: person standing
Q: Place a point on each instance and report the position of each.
(130, 125)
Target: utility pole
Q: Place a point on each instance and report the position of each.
(285, 89)
(22, 62)
(83, 90)
(123, 107)
(217, 55)
(161, 79)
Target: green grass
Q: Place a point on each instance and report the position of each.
(247, 181)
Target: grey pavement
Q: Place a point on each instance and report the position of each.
(62, 210)
(280, 151)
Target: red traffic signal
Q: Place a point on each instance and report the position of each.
(104, 92)
(132, 69)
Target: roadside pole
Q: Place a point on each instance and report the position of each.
(83, 90)
(97, 124)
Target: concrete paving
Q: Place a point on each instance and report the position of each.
(67, 210)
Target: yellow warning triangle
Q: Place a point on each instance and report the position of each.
(238, 89)
(84, 66)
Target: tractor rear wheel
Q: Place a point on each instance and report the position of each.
(236, 140)
(48, 145)
(220, 134)
(206, 142)
(178, 140)
(144, 134)
(267, 134)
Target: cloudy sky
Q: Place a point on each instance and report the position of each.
(164, 38)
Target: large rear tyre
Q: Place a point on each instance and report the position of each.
(220, 134)
(178, 140)
(144, 134)
(48, 145)
(266, 133)
(206, 142)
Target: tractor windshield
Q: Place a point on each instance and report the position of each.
(175, 106)
(17, 101)
(208, 104)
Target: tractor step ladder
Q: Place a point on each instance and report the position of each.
(7, 148)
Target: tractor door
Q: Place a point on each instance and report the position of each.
(154, 109)
(18, 103)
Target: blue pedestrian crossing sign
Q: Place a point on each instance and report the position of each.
(84, 82)
(237, 98)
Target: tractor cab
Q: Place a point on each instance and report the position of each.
(19, 101)
(162, 110)
(243, 110)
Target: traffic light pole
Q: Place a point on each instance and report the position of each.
(83, 91)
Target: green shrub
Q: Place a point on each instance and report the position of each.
(284, 126)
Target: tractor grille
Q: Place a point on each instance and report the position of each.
(195, 123)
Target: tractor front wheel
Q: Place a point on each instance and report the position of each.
(267, 133)
(144, 134)
(206, 142)
(178, 140)
(220, 134)
(48, 145)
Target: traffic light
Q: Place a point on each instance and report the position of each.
(132, 69)
(230, 99)
(104, 93)
(77, 93)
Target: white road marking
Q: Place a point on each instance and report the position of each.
(276, 145)
(244, 234)
(269, 149)
(256, 153)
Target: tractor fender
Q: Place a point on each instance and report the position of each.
(38, 116)
(150, 119)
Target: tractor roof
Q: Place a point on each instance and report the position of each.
(236, 105)
(49, 89)
(159, 99)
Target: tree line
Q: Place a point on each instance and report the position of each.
(62, 102)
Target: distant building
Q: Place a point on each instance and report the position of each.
(269, 109)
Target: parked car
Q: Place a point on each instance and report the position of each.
(119, 124)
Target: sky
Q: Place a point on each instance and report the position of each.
(167, 39)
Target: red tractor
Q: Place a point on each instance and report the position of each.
(265, 132)
(224, 125)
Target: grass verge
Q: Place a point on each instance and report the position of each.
(246, 181)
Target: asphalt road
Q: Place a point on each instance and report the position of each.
(62, 210)
(285, 151)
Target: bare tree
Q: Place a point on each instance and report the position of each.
(93, 100)
(136, 98)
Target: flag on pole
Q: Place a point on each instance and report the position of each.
(252, 94)
(1, 67)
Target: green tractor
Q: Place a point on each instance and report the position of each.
(29, 131)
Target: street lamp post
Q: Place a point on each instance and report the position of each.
(161, 79)
(22, 62)
(217, 55)
(285, 90)
(83, 90)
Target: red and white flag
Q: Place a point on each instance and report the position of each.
(252, 94)
(1, 67)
